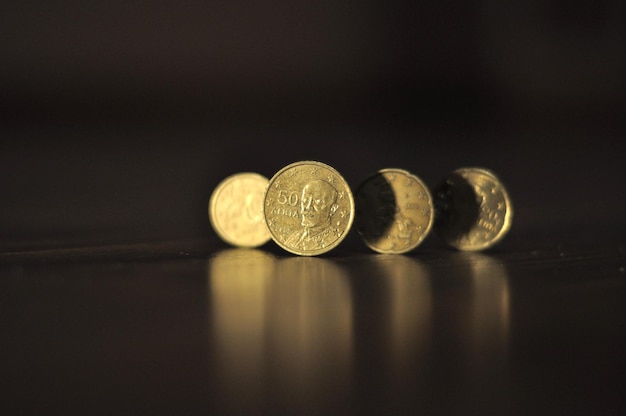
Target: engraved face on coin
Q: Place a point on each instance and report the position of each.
(308, 208)
(394, 211)
(473, 208)
(236, 210)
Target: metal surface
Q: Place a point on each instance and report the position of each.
(236, 210)
(394, 211)
(474, 210)
(309, 208)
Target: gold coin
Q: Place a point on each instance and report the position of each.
(308, 208)
(236, 210)
(473, 209)
(394, 211)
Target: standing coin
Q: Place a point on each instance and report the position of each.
(308, 208)
(236, 210)
(394, 211)
(473, 209)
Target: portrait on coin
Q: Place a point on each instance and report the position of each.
(318, 203)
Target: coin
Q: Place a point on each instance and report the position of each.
(394, 211)
(473, 209)
(236, 210)
(308, 208)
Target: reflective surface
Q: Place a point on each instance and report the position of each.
(242, 331)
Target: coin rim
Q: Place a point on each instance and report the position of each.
(430, 200)
(350, 196)
(508, 216)
(213, 203)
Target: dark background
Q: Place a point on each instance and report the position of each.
(118, 118)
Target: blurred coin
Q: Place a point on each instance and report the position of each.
(236, 210)
(473, 209)
(308, 208)
(394, 211)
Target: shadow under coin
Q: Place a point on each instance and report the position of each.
(280, 333)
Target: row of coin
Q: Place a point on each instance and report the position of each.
(307, 208)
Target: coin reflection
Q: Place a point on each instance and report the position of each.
(490, 310)
(279, 329)
(471, 340)
(238, 284)
(311, 332)
(409, 300)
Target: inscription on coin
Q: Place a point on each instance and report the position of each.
(474, 210)
(236, 210)
(308, 208)
(394, 211)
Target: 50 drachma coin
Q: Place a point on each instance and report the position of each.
(308, 208)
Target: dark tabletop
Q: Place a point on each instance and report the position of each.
(186, 327)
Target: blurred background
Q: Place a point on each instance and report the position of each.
(118, 118)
